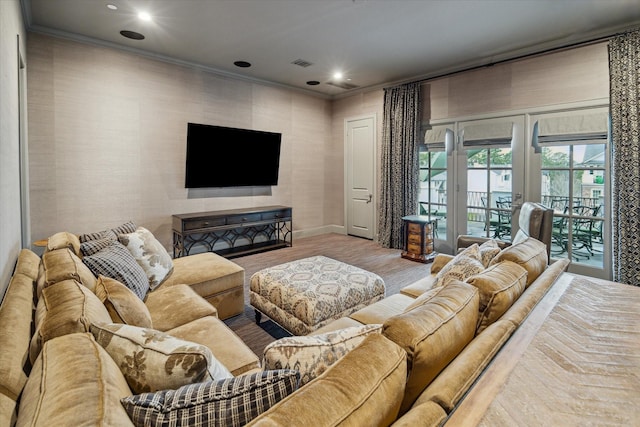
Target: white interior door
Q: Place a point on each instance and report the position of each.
(360, 145)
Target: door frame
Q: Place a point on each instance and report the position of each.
(374, 200)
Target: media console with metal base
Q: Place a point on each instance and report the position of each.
(233, 233)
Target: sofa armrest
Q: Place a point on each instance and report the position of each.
(175, 306)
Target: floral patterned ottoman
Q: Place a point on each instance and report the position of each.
(304, 295)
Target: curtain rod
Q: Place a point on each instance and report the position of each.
(516, 58)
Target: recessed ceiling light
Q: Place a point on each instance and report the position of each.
(112, 6)
(132, 35)
(337, 75)
(144, 16)
(242, 64)
(313, 83)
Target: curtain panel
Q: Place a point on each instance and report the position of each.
(624, 75)
(400, 168)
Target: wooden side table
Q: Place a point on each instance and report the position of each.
(418, 238)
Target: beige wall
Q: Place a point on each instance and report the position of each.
(107, 135)
(10, 221)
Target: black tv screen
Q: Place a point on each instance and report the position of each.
(228, 157)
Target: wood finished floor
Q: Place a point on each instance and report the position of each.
(396, 272)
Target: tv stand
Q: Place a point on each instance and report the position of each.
(233, 233)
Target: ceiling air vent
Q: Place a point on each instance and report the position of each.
(302, 63)
(343, 85)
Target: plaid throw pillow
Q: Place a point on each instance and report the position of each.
(116, 261)
(226, 403)
(102, 240)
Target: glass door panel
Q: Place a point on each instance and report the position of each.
(433, 189)
(490, 189)
(489, 193)
(573, 183)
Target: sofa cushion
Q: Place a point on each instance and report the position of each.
(63, 240)
(225, 345)
(420, 286)
(7, 411)
(122, 304)
(434, 333)
(530, 254)
(65, 308)
(440, 261)
(15, 333)
(151, 360)
(464, 265)
(364, 388)
(28, 264)
(162, 302)
(74, 382)
(116, 261)
(455, 380)
(500, 286)
(149, 254)
(422, 299)
(92, 246)
(63, 264)
(312, 355)
(382, 310)
(426, 414)
(231, 402)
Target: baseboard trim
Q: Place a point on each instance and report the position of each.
(326, 229)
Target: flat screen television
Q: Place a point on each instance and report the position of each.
(228, 157)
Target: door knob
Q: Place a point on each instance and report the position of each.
(370, 197)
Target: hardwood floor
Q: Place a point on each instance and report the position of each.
(396, 272)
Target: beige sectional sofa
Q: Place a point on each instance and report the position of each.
(435, 339)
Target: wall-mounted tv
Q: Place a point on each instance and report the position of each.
(228, 157)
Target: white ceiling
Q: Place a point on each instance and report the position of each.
(373, 42)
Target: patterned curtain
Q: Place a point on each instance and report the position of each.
(400, 168)
(624, 75)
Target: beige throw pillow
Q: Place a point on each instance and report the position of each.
(149, 254)
(312, 355)
(151, 360)
(464, 265)
(488, 250)
(122, 304)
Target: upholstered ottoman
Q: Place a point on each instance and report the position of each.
(304, 295)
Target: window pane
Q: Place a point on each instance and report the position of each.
(555, 189)
(501, 157)
(589, 155)
(477, 158)
(555, 157)
(424, 159)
